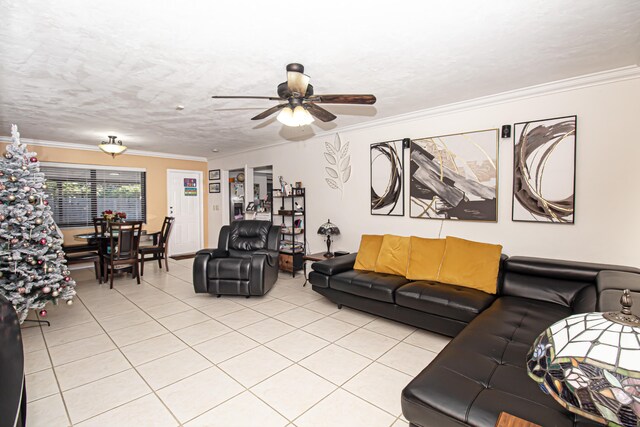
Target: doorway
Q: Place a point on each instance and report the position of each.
(261, 193)
(236, 195)
(184, 197)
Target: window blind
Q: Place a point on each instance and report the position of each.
(78, 194)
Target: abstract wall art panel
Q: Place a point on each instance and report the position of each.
(387, 178)
(544, 170)
(455, 176)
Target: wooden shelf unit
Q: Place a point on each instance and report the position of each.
(291, 260)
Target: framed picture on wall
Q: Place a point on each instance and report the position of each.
(387, 178)
(214, 187)
(214, 174)
(455, 176)
(544, 170)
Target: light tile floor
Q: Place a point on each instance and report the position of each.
(157, 354)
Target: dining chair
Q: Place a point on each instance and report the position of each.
(124, 240)
(100, 226)
(159, 249)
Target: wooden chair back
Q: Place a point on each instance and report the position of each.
(125, 240)
(100, 225)
(165, 231)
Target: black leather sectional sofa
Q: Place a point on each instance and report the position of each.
(482, 370)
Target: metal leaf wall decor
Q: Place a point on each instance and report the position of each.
(339, 159)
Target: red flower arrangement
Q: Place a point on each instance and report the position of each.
(109, 215)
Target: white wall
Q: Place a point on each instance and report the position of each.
(607, 208)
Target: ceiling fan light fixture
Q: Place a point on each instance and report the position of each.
(286, 116)
(301, 116)
(112, 146)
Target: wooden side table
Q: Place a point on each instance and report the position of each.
(507, 420)
(318, 256)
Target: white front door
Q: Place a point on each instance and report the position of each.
(184, 195)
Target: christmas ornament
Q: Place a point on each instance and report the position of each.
(1, 173)
(26, 188)
(44, 186)
(50, 270)
(14, 241)
(33, 159)
(24, 168)
(66, 272)
(46, 203)
(13, 178)
(2, 187)
(31, 199)
(70, 302)
(22, 290)
(55, 293)
(43, 313)
(66, 279)
(11, 198)
(33, 262)
(38, 221)
(8, 156)
(2, 217)
(40, 261)
(43, 241)
(46, 289)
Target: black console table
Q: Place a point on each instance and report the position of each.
(13, 398)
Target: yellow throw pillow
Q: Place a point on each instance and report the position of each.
(470, 264)
(394, 255)
(368, 252)
(425, 257)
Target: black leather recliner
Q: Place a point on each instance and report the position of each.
(245, 262)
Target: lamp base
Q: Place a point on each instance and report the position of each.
(328, 254)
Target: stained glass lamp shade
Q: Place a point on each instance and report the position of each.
(590, 364)
(328, 229)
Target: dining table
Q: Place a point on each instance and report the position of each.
(102, 240)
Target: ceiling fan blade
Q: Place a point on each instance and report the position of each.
(319, 112)
(271, 98)
(297, 82)
(344, 99)
(270, 111)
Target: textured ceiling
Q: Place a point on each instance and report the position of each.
(76, 71)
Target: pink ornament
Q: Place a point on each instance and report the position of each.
(40, 261)
(46, 203)
(46, 289)
(66, 279)
(43, 241)
(43, 313)
(33, 159)
(14, 241)
(22, 290)
(26, 188)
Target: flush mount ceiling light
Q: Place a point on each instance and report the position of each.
(112, 147)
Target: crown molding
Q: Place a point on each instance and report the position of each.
(573, 83)
(87, 147)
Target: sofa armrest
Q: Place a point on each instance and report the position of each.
(213, 253)
(611, 283)
(335, 265)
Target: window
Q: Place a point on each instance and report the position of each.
(78, 193)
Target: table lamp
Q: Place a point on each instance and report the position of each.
(590, 364)
(328, 229)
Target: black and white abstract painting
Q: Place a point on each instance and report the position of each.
(455, 176)
(544, 170)
(387, 178)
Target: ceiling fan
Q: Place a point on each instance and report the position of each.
(300, 106)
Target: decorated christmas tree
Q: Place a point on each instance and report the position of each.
(33, 270)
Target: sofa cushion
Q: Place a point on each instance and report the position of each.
(368, 284)
(229, 268)
(425, 257)
(454, 302)
(482, 371)
(368, 252)
(472, 264)
(394, 255)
